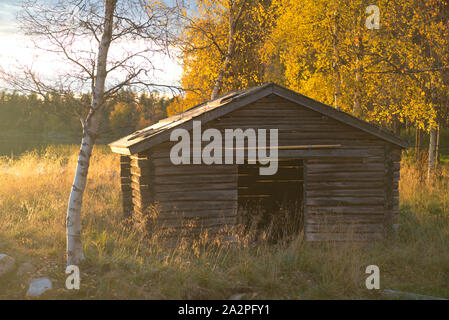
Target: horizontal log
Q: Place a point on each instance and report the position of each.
(328, 153)
(227, 195)
(345, 228)
(343, 192)
(270, 188)
(196, 179)
(236, 123)
(344, 201)
(194, 169)
(195, 187)
(345, 175)
(140, 156)
(206, 213)
(124, 159)
(125, 180)
(293, 126)
(273, 113)
(340, 161)
(343, 236)
(325, 210)
(331, 168)
(375, 178)
(343, 185)
(344, 218)
(181, 206)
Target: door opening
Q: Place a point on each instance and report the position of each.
(271, 207)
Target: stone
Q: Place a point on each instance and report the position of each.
(7, 263)
(38, 287)
(25, 268)
(237, 296)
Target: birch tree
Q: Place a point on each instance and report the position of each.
(106, 45)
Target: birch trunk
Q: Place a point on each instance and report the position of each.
(90, 129)
(357, 107)
(432, 151)
(227, 61)
(336, 62)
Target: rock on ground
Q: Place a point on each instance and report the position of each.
(38, 287)
(6, 263)
(237, 296)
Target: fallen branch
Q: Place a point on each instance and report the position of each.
(408, 295)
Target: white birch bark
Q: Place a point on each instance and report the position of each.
(234, 17)
(336, 62)
(90, 129)
(227, 60)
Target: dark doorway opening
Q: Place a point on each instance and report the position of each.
(272, 206)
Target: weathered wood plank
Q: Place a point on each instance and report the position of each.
(195, 179)
(344, 201)
(345, 228)
(345, 219)
(163, 188)
(125, 180)
(329, 210)
(181, 206)
(388, 191)
(200, 213)
(343, 236)
(218, 195)
(194, 170)
(345, 193)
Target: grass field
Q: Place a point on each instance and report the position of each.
(121, 264)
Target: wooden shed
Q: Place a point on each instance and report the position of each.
(342, 171)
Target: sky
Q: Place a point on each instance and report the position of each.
(17, 48)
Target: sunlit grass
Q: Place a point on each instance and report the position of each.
(122, 264)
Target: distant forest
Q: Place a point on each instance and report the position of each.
(58, 116)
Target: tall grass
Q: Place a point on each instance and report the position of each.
(122, 264)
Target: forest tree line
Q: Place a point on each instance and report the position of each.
(58, 116)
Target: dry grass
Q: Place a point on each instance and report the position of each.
(121, 264)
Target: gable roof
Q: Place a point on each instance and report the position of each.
(144, 139)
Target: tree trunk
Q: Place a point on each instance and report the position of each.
(235, 13)
(357, 108)
(336, 61)
(418, 143)
(437, 148)
(432, 149)
(90, 129)
(227, 60)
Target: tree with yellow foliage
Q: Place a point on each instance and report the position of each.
(220, 52)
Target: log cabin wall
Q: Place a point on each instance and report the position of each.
(125, 179)
(351, 191)
(188, 198)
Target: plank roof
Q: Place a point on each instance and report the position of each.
(155, 134)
